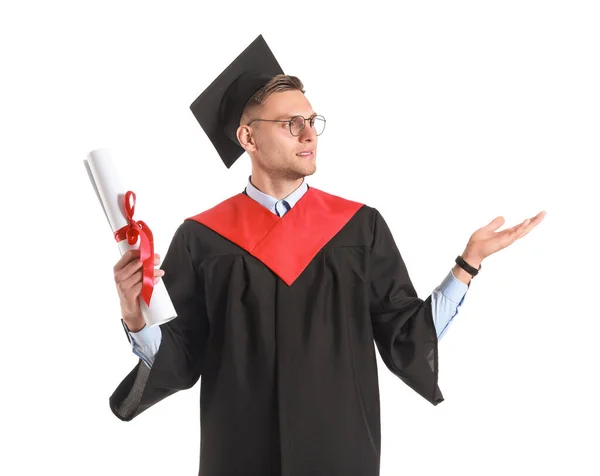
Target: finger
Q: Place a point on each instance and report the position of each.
(523, 229)
(495, 223)
(128, 270)
(128, 282)
(538, 218)
(125, 286)
(513, 230)
(156, 258)
(130, 301)
(134, 293)
(127, 257)
(535, 221)
(507, 237)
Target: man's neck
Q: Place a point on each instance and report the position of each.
(276, 188)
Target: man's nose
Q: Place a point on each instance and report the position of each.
(309, 133)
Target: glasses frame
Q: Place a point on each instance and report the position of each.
(289, 122)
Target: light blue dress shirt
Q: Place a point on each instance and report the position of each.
(446, 299)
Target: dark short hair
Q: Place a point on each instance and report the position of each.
(279, 83)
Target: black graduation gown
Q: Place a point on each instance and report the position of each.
(279, 316)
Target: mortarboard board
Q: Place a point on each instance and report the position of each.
(219, 108)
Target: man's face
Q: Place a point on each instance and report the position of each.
(275, 150)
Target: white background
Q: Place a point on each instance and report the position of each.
(443, 115)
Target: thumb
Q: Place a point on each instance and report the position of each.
(495, 223)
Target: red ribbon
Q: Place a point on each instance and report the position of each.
(131, 232)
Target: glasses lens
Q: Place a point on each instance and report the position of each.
(319, 124)
(297, 125)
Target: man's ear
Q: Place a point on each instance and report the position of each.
(246, 138)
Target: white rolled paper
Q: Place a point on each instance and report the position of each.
(111, 194)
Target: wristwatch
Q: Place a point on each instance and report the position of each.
(466, 266)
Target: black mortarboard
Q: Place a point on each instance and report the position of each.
(219, 108)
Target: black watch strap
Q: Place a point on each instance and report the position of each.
(466, 266)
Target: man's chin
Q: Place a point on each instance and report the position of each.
(301, 172)
(309, 168)
(306, 173)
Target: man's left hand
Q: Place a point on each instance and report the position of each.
(486, 241)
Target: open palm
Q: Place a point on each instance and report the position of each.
(486, 240)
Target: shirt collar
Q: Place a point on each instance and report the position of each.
(268, 201)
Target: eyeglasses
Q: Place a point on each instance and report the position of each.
(296, 124)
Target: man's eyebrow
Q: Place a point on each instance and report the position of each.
(289, 116)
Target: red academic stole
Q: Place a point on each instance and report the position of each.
(315, 219)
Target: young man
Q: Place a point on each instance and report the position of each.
(281, 292)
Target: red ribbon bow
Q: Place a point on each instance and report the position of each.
(131, 232)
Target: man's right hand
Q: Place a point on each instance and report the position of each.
(128, 278)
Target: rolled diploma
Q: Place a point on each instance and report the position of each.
(111, 194)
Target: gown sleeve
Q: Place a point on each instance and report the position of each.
(403, 326)
(179, 360)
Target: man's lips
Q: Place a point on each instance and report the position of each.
(306, 153)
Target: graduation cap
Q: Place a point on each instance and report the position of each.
(219, 108)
